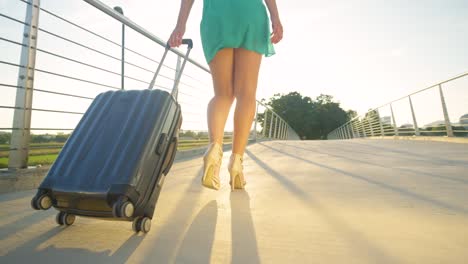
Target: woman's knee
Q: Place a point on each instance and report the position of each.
(244, 94)
(224, 89)
(225, 97)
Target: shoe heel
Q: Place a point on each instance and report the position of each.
(236, 171)
(210, 172)
(237, 180)
(233, 181)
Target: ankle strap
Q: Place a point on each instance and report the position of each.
(237, 156)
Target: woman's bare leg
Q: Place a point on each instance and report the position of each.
(218, 109)
(246, 69)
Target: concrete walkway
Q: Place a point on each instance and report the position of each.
(356, 201)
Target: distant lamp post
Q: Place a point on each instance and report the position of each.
(120, 10)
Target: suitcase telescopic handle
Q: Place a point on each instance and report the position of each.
(174, 93)
(188, 42)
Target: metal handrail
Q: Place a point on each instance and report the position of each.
(427, 88)
(424, 89)
(341, 131)
(271, 110)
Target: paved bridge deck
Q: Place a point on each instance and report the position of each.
(356, 201)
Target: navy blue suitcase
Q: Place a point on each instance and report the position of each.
(114, 164)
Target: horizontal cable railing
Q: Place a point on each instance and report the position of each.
(441, 107)
(65, 71)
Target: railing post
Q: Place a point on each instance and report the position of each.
(382, 133)
(120, 10)
(371, 128)
(278, 129)
(356, 125)
(285, 130)
(394, 122)
(416, 128)
(271, 123)
(361, 133)
(264, 122)
(280, 133)
(276, 126)
(355, 132)
(255, 126)
(19, 145)
(363, 128)
(282, 130)
(448, 126)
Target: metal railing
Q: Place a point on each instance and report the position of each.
(273, 125)
(429, 104)
(65, 73)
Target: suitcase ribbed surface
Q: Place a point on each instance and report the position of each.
(106, 146)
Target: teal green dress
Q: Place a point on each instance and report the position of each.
(235, 24)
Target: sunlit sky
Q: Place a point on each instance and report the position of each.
(363, 53)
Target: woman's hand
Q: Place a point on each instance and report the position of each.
(277, 33)
(176, 37)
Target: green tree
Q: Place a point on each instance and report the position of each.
(61, 137)
(5, 138)
(351, 114)
(188, 133)
(311, 119)
(41, 138)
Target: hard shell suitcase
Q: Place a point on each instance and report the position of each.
(114, 163)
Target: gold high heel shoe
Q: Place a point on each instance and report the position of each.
(235, 170)
(212, 163)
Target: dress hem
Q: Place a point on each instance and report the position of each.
(266, 54)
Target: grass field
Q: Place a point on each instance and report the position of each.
(33, 160)
(46, 153)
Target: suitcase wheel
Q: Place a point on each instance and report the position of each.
(42, 202)
(123, 209)
(66, 219)
(142, 224)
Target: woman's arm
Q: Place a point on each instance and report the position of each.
(176, 37)
(277, 33)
